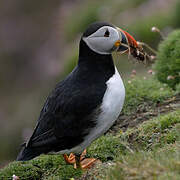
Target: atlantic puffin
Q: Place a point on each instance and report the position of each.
(86, 103)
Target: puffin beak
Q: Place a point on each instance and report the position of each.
(125, 42)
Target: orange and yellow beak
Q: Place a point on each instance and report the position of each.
(126, 41)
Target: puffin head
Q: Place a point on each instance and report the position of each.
(104, 38)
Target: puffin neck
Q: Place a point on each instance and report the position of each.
(86, 55)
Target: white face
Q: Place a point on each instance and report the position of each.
(103, 40)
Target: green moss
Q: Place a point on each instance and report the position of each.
(151, 151)
(106, 148)
(63, 173)
(43, 167)
(144, 92)
(158, 132)
(167, 65)
(161, 164)
(155, 133)
(23, 170)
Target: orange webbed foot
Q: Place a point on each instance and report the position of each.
(80, 161)
(69, 159)
(87, 163)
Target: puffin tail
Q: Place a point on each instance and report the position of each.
(27, 153)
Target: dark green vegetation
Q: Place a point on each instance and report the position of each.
(160, 164)
(121, 153)
(43, 167)
(142, 92)
(168, 64)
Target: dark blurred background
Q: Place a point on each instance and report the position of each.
(39, 46)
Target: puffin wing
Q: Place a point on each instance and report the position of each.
(67, 116)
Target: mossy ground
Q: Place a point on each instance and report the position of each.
(149, 150)
(159, 164)
(140, 91)
(45, 167)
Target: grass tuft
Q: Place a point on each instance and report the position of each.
(144, 92)
(161, 164)
(44, 167)
(167, 65)
(106, 148)
(155, 133)
(22, 170)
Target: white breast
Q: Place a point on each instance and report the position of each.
(111, 107)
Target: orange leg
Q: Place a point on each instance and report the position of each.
(80, 161)
(83, 155)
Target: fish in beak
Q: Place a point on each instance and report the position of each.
(127, 44)
(126, 41)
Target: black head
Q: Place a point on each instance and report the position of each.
(92, 28)
(103, 38)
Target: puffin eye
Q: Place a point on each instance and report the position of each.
(106, 34)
